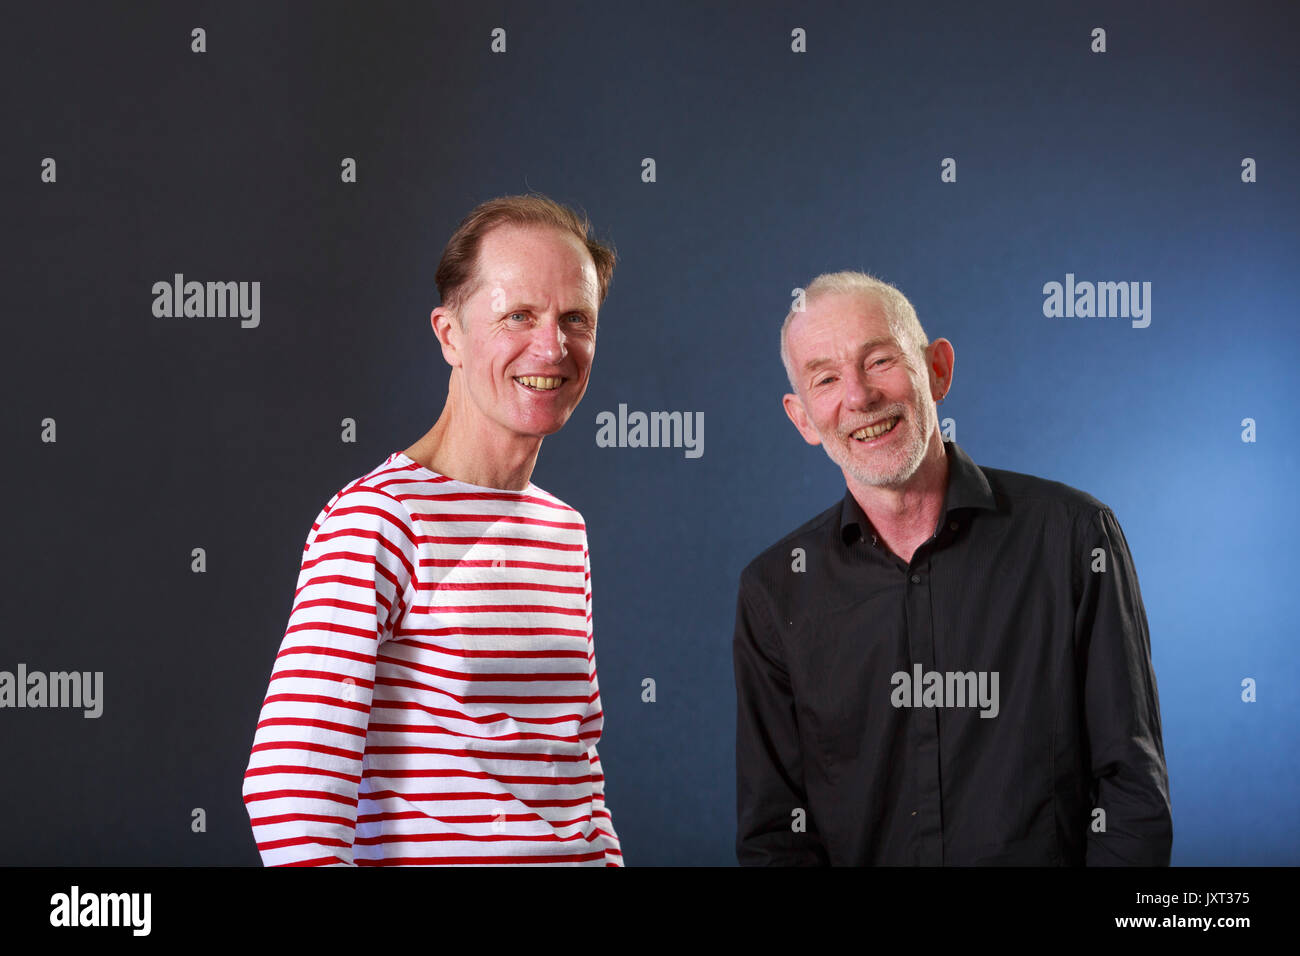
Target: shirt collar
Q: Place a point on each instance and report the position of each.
(967, 488)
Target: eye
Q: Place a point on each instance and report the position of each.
(518, 315)
(828, 378)
(579, 317)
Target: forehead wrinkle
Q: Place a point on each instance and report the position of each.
(526, 288)
(532, 301)
(867, 346)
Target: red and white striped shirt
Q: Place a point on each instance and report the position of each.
(434, 700)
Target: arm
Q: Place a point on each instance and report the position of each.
(356, 581)
(591, 729)
(769, 767)
(1121, 707)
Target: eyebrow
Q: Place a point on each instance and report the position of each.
(813, 365)
(529, 307)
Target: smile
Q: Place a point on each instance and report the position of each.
(875, 431)
(539, 383)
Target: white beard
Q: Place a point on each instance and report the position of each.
(906, 458)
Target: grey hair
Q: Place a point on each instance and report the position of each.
(898, 311)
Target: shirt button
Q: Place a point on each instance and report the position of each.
(953, 525)
(916, 579)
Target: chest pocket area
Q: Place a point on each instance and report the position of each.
(843, 685)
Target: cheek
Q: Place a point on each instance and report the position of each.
(821, 421)
(826, 410)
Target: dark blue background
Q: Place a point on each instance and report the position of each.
(772, 167)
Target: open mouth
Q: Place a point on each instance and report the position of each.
(539, 383)
(868, 432)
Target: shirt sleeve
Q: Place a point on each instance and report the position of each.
(594, 722)
(304, 771)
(1122, 708)
(769, 768)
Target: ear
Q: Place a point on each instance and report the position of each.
(446, 327)
(939, 361)
(795, 410)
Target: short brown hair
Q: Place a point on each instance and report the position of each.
(457, 272)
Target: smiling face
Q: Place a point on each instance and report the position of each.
(526, 336)
(860, 393)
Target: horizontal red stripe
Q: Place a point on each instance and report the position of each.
(479, 754)
(325, 652)
(309, 747)
(487, 676)
(497, 609)
(393, 523)
(412, 774)
(315, 861)
(513, 542)
(498, 586)
(298, 721)
(483, 496)
(406, 704)
(321, 538)
(316, 699)
(301, 818)
(366, 818)
(473, 838)
(301, 841)
(497, 563)
(490, 631)
(437, 516)
(449, 860)
(305, 794)
(465, 652)
(371, 633)
(320, 675)
(304, 771)
(366, 584)
(377, 795)
(445, 732)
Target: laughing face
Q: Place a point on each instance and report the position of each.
(527, 333)
(860, 393)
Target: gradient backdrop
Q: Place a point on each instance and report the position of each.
(771, 166)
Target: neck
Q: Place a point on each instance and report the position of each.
(475, 450)
(912, 509)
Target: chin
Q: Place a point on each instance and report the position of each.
(540, 429)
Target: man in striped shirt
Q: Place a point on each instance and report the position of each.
(434, 700)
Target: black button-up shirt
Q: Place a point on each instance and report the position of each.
(990, 701)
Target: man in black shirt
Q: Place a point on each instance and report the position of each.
(952, 664)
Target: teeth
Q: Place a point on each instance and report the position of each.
(874, 431)
(539, 381)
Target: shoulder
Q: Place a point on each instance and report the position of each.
(371, 502)
(774, 561)
(541, 502)
(1027, 495)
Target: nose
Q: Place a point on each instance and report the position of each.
(859, 392)
(549, 341)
